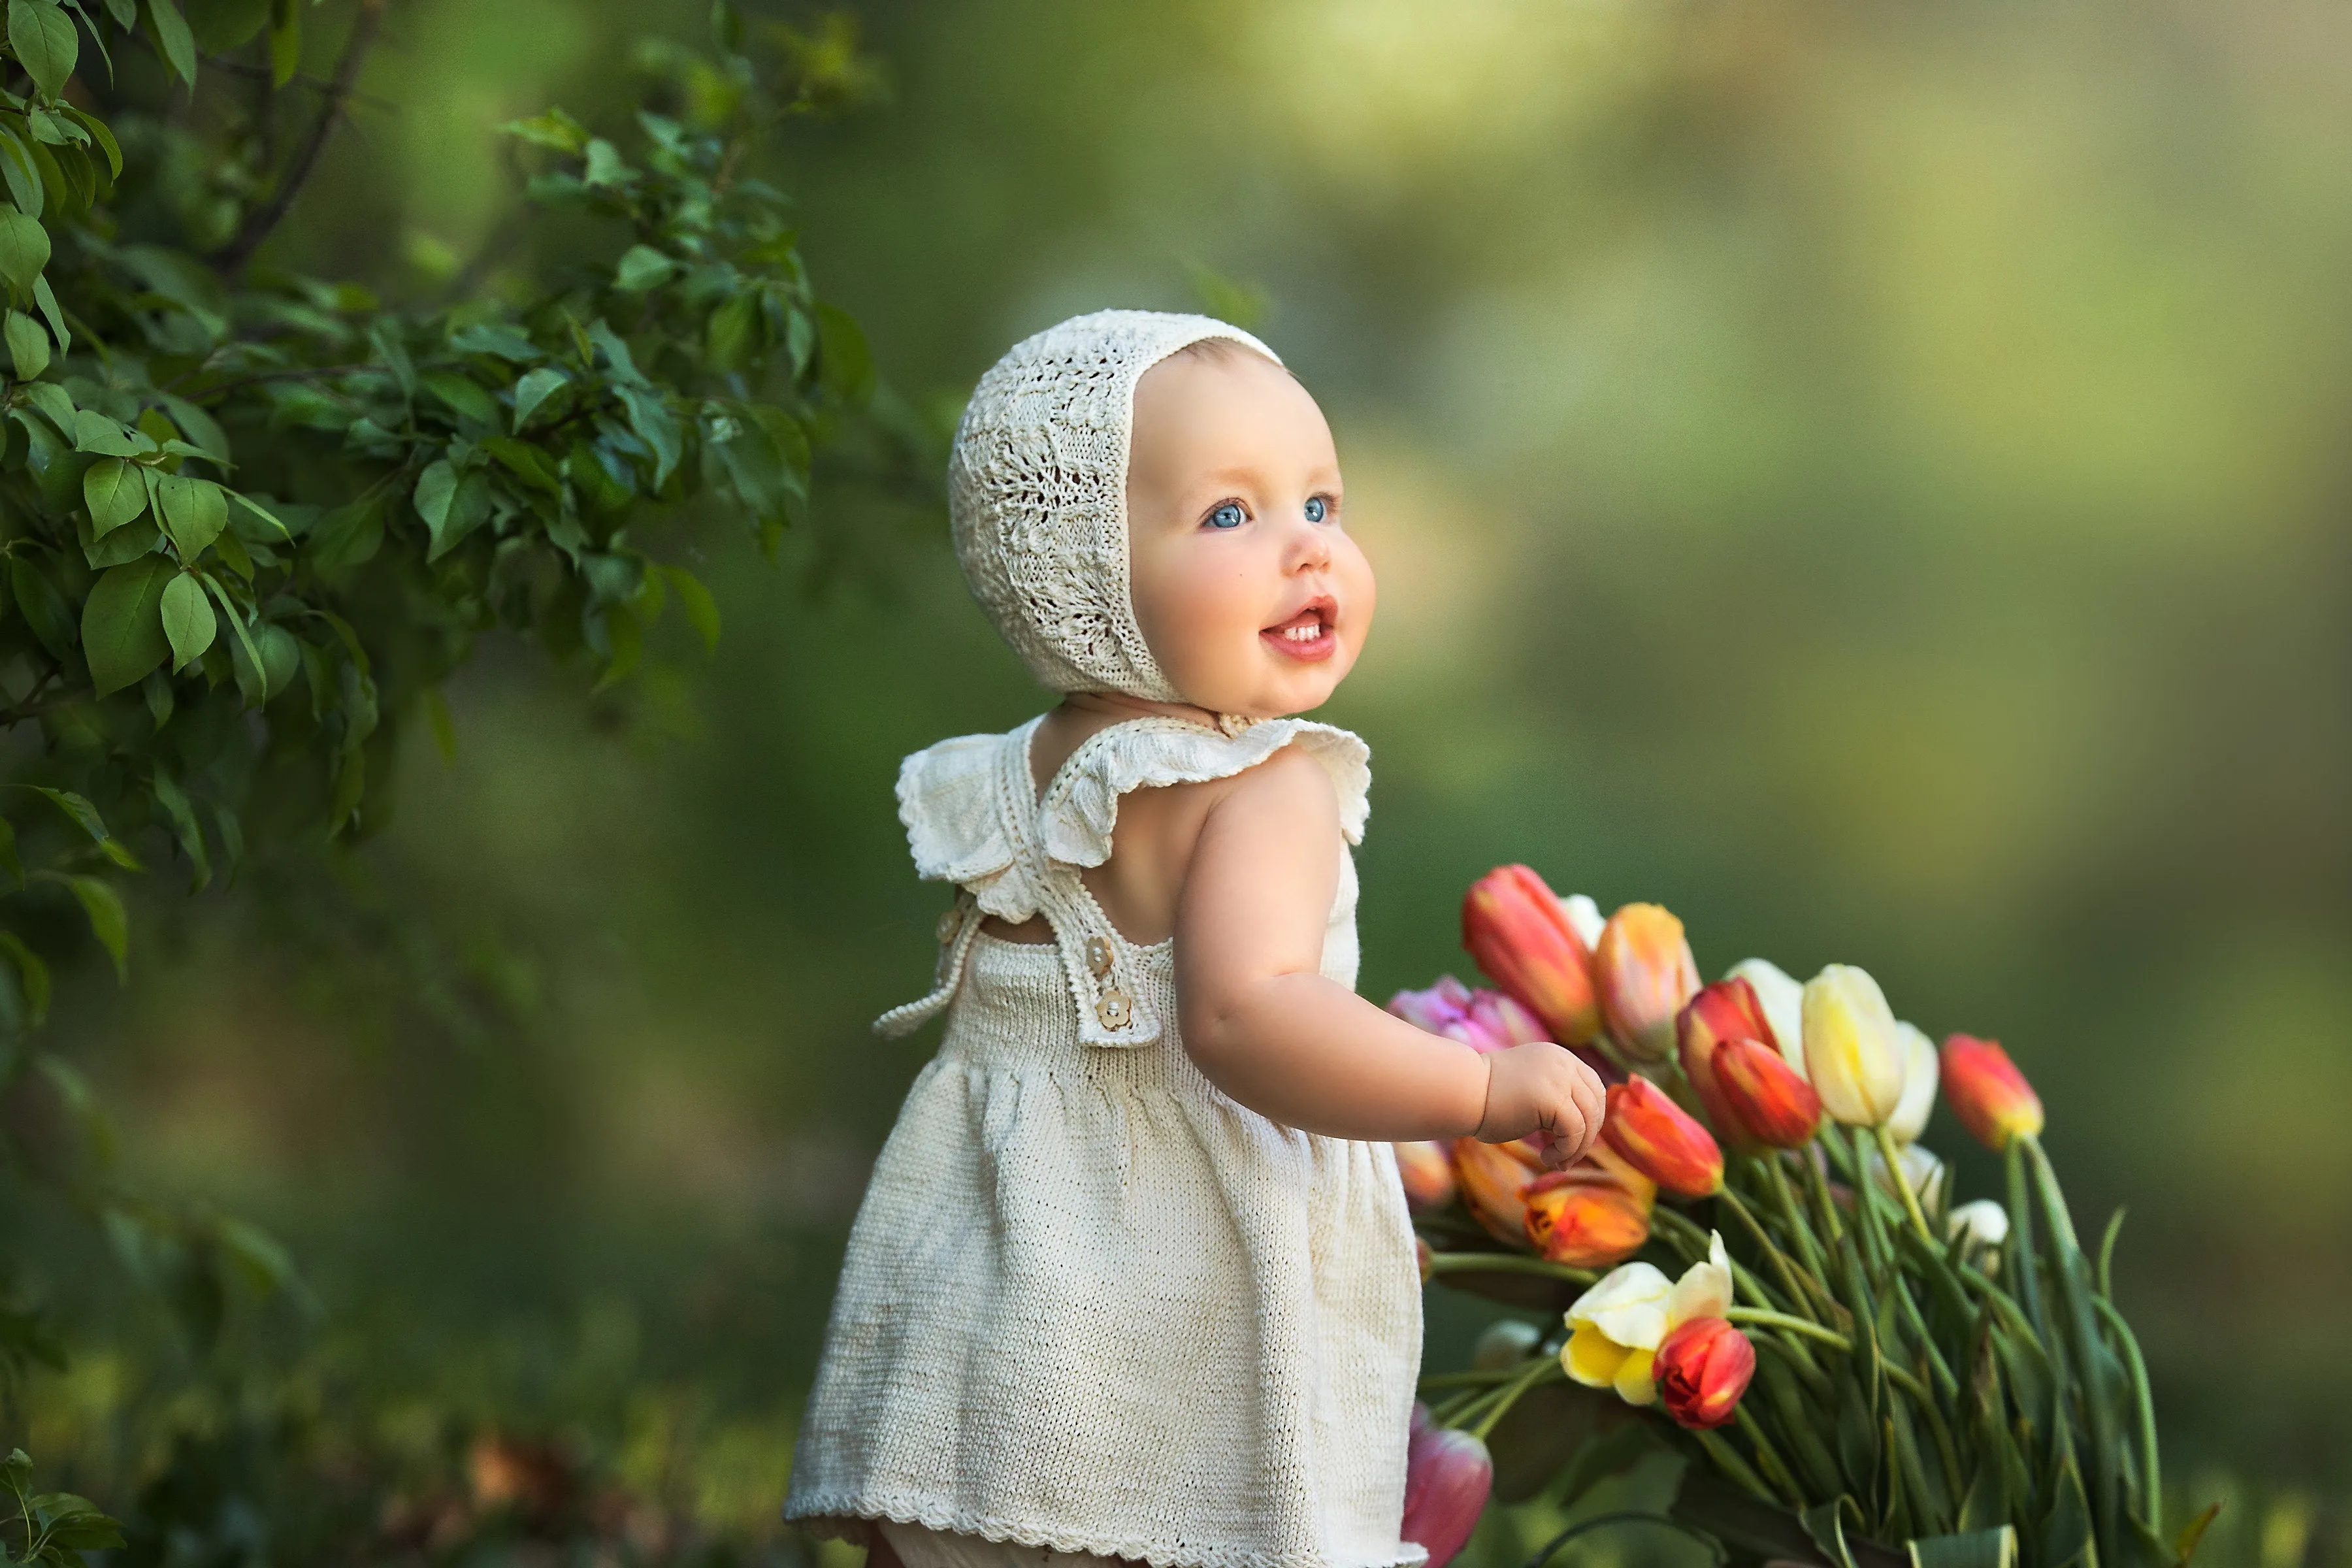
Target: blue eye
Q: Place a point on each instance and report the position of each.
(1228, 514)
(1316, 509)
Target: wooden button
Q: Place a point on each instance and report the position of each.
(1099, 955)
(1115, 1009)
(950, 923)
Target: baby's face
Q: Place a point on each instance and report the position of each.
(1245, 584)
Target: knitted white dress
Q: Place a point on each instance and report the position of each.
(1090, 1302)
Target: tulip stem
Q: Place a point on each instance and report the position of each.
(1509, 1394)
(1726, 1459)
(1776, 1470)
(1507, 1263)
(1764, 1318)
(1886, 1151)
(1784, 1198)
(1476, 1377)
(1798, 1296)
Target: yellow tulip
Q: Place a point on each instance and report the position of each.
(1853, 1055)
(1616, 1327)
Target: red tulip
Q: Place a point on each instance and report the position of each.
(1493, 1178)
(1427, 1174)
(1515, 929)
(1643, 972)
(1988, 1093)
(1582, 1218)
(1447, 1475)
(1764, 1096)
(1727, 1010)
(1661, 1140)
(1702, 1368)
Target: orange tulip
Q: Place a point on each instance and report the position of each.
(1702, 1368)
(1988, 1093)
(1493, 1179)
(1727, 1010)
(1427, 1174)
(1582, 1218)
(1764, 1096)
(1644, 972)
(1518, 933)
(1661, 1140)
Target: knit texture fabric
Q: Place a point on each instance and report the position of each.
(1037, 495)
(1091, 1302)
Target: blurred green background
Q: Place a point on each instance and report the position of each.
(1870, 479)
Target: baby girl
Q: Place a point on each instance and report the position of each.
(1133, 1278)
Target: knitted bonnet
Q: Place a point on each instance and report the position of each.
(1037, 495)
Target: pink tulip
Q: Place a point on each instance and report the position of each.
(1448, 1476)
(1483, 1020)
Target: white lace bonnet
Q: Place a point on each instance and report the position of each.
(1037, 494)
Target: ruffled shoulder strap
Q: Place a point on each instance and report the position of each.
(961, 824)
(1081, 805)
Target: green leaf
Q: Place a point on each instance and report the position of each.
(221, 25)
(115, 492)
(188, 620)
(468, 509)
(24, 247)
(285, 41)
(86, 816)
(126, 544)
(194, 512)
(28, 346)
(45, 44)
(701, 609)
(24, 175)
(257, 510)
(245, 659)
(32, 973)
(658, 427)
(844, 362)
(348, 536)
(527, 462)
(2193, 1532)
(733, 330)
(626, 640)
(94, 432)
(642, 268)
(44, 607)
(606, 164)
(100, 133)
(122, 623)
(185, 828)
(172, 37)
(435, 485)
(553, 128)
(533, 389)
(107, 922)
(464, 395)
(46, 299)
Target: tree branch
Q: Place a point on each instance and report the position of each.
(233, 257)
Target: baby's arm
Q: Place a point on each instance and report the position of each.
(1264, 1026)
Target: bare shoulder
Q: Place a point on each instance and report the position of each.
(1289, 787)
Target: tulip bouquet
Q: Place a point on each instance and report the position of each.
(1759, 1253)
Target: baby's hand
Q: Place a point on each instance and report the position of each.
(1543, 1089)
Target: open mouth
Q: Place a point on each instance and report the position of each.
(1310, 636)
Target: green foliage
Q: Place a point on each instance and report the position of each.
(251, 520)
(53, 1528)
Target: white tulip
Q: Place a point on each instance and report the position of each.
(1584, 918)
(1982, 1222)
(1783, 1002)
(1921, 1069)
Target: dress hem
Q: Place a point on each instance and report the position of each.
(839, 1514)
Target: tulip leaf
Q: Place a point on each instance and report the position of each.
(1974, 1549)
(1549, 1427)
(2066, 1535)
(2193, 1532)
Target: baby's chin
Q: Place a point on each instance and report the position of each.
(1274, 688)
